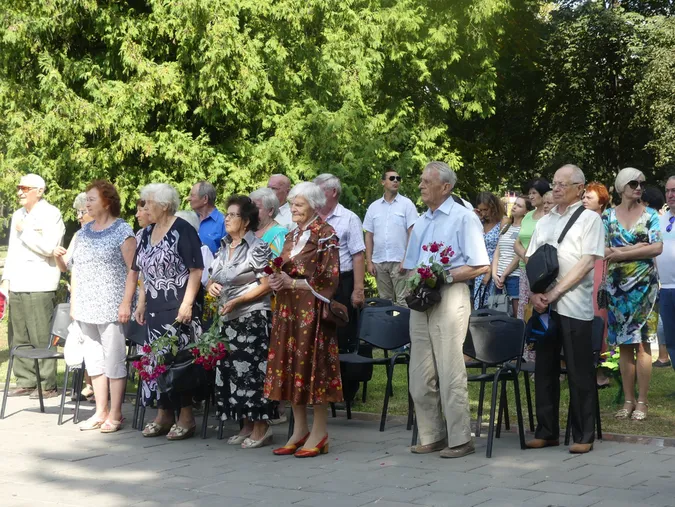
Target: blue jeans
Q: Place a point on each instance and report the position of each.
(511, 287)
(667, 312)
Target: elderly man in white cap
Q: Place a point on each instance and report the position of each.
(30, 280)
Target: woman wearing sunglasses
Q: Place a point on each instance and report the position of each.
(633, 240)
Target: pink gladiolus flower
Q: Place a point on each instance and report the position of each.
(147, 349)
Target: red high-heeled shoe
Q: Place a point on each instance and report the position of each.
(313, 452)
(289, 449)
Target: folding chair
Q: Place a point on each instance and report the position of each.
(58, 332)
(386, 328)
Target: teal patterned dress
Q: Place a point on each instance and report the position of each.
(632, 285)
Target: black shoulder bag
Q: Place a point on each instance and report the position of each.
(542, 267)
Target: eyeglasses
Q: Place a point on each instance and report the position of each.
(557, 184)
(669, 227)
(633, 184)
(232, 215)
(395, 178)
(81, 213)
(24, 189)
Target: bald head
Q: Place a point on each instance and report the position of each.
(568, 185)
(281, 186)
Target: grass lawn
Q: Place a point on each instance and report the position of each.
(660, 421)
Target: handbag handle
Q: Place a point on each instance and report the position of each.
(570, 222)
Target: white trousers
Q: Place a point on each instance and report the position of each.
(438, 383)
(104, 349)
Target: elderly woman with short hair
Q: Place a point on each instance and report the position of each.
(101, 253)
(80, 206)
(633, 240)
(239, 281)
(169, 258)
(268, 229)
(303, 365)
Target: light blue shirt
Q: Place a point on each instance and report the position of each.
(389, 223)
(454, 226)
(212, 230)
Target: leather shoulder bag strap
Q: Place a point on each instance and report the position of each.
(571, 221)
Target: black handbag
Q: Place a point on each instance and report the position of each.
(542, 267)
(182, 374)
(603, 293)
(423, 298)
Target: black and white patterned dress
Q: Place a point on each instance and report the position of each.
(166, 270)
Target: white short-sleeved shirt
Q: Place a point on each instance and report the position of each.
(585, 237)
(389, 223)
(349, 231)
(453, 225)
(284, 217)
(665, 263)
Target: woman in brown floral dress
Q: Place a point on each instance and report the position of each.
(303, 364)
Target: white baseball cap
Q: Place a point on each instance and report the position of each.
(32, 180)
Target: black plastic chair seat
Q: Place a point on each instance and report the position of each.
(38, 353)
(489, 377)
(357, 359)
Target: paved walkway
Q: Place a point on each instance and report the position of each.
(46, 464)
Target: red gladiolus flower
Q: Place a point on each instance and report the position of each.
(445, 260)
(425, 247)
(147, 349)
(434, 247)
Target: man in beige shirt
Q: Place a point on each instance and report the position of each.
(30, 280)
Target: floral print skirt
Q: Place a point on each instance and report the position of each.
(240, 378)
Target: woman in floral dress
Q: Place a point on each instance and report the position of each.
(490, 210)
(303, 364)
(633, 240)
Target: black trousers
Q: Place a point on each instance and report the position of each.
(575, 338)
(348, 340)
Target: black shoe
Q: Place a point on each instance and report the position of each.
(48, 393)
(661, 364)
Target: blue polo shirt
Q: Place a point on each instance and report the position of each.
(212, 230)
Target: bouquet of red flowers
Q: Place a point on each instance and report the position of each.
(426, 281)
(151, 364)
(210, 347)
(274, 266)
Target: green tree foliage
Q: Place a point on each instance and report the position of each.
(232, 90)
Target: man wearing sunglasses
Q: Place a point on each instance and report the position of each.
(30, 280)
(665, 265)
(388, 223)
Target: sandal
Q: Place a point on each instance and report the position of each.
(154, 429)
(91, 424)
(624, 413)
(180, 433)
(639, 415)
(110, 426)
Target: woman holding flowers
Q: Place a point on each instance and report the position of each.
(303, 364)
(169, 258)
(239, 281)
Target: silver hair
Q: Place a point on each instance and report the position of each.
(190, 217)
(80, 201)
(311, 192)
(268, 198)
(329, 181)
(578, 176)
(205, 189)
(163, 194)
(625, 175)
(445, 174)
(670, 178)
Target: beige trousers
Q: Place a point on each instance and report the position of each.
(391, 282)
(438, 383)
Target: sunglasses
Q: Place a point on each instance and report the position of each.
(669, 227)
(23, 189)
(633, 184)
(395, 178)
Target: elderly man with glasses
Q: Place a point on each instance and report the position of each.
(30, 280)
(570, 301)
(665, 264)
(388, 223)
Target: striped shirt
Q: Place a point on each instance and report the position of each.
(506, 252)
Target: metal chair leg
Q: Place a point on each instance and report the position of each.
(410, 402)
(568, 426)
(291, 424)
(78, 379)
(598, 420)
(414, 432)
(481, 399)
(500, 412)
(364, 392)
(141, 422)
(9, 375)
(137, 402)
(507, 417)
(493, 407)
(348, 407)
(63, 395)
(387, 393)
(332, 410)
(39, 386)
(205, 422)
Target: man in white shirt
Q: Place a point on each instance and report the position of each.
(350, 291)
(30, 280)
(388, 224)
(281, 186)
(665, 264)
(438, 380)
(571, 304)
